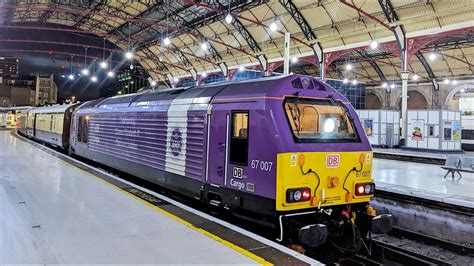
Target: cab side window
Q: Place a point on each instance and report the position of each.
(239, 139)
(83, 129)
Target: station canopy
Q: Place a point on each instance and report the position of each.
(189, 38)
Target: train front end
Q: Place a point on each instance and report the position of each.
(324, 176)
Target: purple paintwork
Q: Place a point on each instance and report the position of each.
(149, 132)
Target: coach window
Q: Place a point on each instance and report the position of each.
(239, 141)
(83, 129)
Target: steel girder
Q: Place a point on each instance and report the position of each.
(156, 60)
(244, 32)
(425, 64)
(306, 29)
(151, 9)
(373, 64)
(98, 6)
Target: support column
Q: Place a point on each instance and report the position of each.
(286, 60)
(404, 96)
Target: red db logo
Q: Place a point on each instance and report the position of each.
(332, 160)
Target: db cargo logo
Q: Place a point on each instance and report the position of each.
(332, 160)
(176, 142)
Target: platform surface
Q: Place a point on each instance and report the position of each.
(421, 153)
(52, 212)
(423, 180)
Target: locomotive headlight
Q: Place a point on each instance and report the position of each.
(364, 189)
(368, 189)
(297, 195)
(329, 125)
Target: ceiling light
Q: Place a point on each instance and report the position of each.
(132, 66)
(241, 68)
(455, 82)
(204, 74)
(345, 81)
(103, 64)
(63, 76)
(392, 86)
(348, 66)
(71, 76)
(374, 44)
(228, 18)
(167, 41)
(204, 46)
(294, 59)
(129, 55)
(354, 81)
(131, 82)
(85, 72)
(432, 56)
(273, 26)
(415, 77)
(110, 74)
(153, 83)
(384, 85)
(119, 92)
(175, 79)
(463, 90)
(446, 81)
(94, 79)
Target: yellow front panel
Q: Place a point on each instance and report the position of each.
(332, 168)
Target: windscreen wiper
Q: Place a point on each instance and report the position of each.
(342, 106)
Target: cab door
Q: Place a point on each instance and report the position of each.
(218, 144)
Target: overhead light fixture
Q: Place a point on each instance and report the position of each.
(103, 64)
(345, 81)
(71, 76)
(462, 90)
(119, 92)
(204, 46)
(415, 77)
(374, 44)
(446, 81)
(384, 85)
(204, 74)
(354, 82)
(63, 76)
(432, 56)
(129, 55)
(455, 82)
(241, 68)
(229, 18)
(176, 79)
(94, 79)
(392, 86)
(273, 26)
(167, 41)
(132, 66)
(85, 72)
(153, 83)
(110, 74)
(131, 82)
(348, 66)
(294, 59)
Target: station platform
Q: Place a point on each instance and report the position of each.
(54, 212)
(424, 181)
(416, 156)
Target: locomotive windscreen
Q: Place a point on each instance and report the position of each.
(314, 120)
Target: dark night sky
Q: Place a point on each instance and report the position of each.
(58, 64)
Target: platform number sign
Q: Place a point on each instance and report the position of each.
(332, 160)
(238, 172)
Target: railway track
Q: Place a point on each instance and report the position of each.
(380, 252)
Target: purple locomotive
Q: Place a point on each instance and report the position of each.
(287, 151)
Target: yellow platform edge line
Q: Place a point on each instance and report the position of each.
(172, 216)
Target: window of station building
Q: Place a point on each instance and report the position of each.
(239, 140)
(83, 129)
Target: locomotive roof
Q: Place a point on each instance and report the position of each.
(60, 108)
(204, 92)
